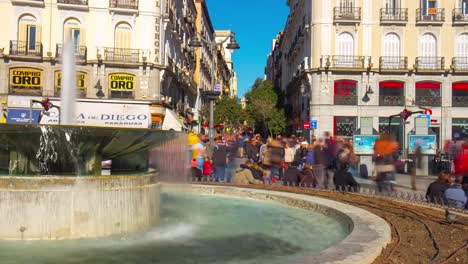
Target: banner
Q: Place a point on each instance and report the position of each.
(81, 83)
(22, 116)
(121, 82)
(28, 78)
(104, 115)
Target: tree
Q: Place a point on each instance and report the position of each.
(227, 111)
(262, 108)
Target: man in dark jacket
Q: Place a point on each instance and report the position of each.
(252, 149)
(292, 175)
(344, 180)
(220, 152)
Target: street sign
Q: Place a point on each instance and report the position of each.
(428, 118)
(313, 124)
(306, 125)
(218, 87)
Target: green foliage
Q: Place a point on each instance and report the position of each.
(227, 111)
(262, 108)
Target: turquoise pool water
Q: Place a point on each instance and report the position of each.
(198, 229)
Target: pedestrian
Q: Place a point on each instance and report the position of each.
(455, 195)
(344, 180)
(436, 190)
(308, 177)
(207, 168)
(195, 171)
(292, 175)
(252, 149)
(219, 159)
(329, 147)
(288, 154)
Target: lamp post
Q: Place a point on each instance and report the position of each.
(212, 94)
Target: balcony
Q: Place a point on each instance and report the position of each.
(459, 16)
(28, 2)
(343, 61)
(393, 15)
(430, 63)
(121, 55)
(427, 100)
(347, 15)
(123, 6)
(391, 100)
(73, 4)
(393, 63)
(26, 49)
(460, 101)
(430, 16)
(80, 52)
(459, 64)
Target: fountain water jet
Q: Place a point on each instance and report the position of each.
(68, 92)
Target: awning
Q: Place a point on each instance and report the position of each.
(172, 122)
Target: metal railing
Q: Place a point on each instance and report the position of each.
(430, 63)
(391, 100)
(73, 2)
(460, 101)
(460, 63)
(428, 100)
(122, 55)
(25, 48)
(126, 4)
(79, 51)
(394, 14)
(430, 15)
(343, 13)
(393, 63)
(343, 61)
(350, 99)
(417, 198)
(459, 16)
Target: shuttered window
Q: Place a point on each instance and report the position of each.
(391, 4)
(72, 30)
(391, 50)
(29, 32)
(428, 51)
(345, 44)
(123, 36)
(462, 45)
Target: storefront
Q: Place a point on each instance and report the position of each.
(26, 81)
(81, 83)
(459, 128)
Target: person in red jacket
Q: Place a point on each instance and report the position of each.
(207, 168)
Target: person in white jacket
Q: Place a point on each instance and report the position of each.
(289, 154)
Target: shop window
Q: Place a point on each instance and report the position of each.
(391, 93)
(345, 126)
(428, 94)
(394, 128)
(460, 94)
(345, 93)
(459, 128)
(26, 81)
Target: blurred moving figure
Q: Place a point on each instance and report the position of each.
(384, 150)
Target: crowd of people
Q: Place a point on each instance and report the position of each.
(327, 162)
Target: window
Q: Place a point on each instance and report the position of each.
(345, 92)
(392, 4)
(346, 4)
(462, 45)
(31, 37)
(428, 51)
(428, 94)
(427, 4)
(345, 126)
(72, 31)
(464, 6)
(123, 36)
(345, 50)
(391, 93)
(29, 34)
(459, 128)
(460, 94)
(391, 50)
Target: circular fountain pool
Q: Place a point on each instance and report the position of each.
(199, 228)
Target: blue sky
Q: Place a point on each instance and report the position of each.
(256, 23)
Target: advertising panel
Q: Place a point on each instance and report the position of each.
(22, 116)
(121, 82)
(80, 80)
(26, 78)
(104, 115)
(427, 143)
(364, 144)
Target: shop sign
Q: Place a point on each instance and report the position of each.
(104, 115)
(22, 116)
(80, 80)
(29, 78)
(121, 82)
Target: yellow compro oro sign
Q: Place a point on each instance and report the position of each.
(122, 82)
(29, 78)
(81, 83)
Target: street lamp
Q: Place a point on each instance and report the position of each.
(366, 98)
(212, 95)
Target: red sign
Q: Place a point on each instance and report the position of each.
(434, 120)
(306, 125)
(428, 111)
(405, 114)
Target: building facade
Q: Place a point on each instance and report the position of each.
(222, 36)
(341, 60)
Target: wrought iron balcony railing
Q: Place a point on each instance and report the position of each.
(460, 64)
(73, 2)
(459, 16)
(394, 15)
(430, 63)
(347, 14)
(124, 4)
(122, 55)
(460, 101)
(430, 15)
(25, 48)
(80, 52)
(351, 99)
(391, 100)
(427, 100)
(393, 63)
(344, 61)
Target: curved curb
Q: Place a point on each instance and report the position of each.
(369, 233)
